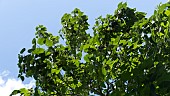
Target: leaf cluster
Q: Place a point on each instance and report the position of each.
(128, 54)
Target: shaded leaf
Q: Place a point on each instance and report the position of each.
(15, 92)
(22, 51)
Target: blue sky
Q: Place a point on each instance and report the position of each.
(18, 19)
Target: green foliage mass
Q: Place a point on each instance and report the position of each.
(128, 55)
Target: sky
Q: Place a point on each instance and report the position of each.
(18, 19)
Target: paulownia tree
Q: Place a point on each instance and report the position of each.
(128, 54)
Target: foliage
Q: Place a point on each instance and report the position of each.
(128, 54)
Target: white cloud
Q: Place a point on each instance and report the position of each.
(7, 86)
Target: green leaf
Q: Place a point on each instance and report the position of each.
(122, 5)
(79, 54)
(20, 57)
(79, 84)
(56, 71)
(23, 90)
(49, 43)
(85, 47)
(160, 34)
(115, 41)
(86, 58)
(22, 51)
(123, 41)
(55, 39)
(40, 41)
(22, 78)
(130, 43)
(135, 45)
(161, 8)
(38, 51)
(15, 92)
(33, 41)
(47, 53)
(76, 62)
(30, 50)
(103, 84)
(104, 71)
(98, 58)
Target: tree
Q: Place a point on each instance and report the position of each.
(128, 54)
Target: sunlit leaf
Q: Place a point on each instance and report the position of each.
(49, 43)
(56, 71)
(41, 41)
(38, 51)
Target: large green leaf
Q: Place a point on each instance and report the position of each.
(41, 41)
(38, 51)
(49, 43)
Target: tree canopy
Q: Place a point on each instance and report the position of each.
(128, 54)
